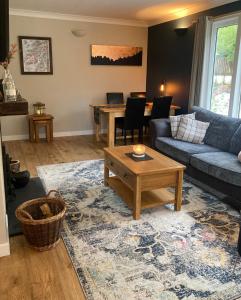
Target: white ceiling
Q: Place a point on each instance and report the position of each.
(145, 11)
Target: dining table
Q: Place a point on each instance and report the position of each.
(112, 111)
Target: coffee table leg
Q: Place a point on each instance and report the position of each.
(106, 175)
(178, 192)
(137, 199)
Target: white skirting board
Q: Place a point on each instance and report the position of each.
(56, 134)
(5, 247)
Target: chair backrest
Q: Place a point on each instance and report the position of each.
(161, 107)
(134, 114)
(115, 98)
(138, 94)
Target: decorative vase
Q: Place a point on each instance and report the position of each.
(9, 89)
(15, 166)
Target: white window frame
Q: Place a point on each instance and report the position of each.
(209, 64)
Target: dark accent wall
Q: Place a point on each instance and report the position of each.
(4, 28)
(170, 55)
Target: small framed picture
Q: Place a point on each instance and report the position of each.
(35, 55)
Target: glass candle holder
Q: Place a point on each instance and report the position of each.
(39, 108)
(139, 150)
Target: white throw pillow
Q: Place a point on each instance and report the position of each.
(239, 156)
(192, 131)
(175, 122)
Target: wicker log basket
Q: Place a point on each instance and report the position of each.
(42, 219)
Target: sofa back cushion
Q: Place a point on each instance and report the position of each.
(203, 114)
(221, 129)
(235, 145)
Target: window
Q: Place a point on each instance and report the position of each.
(221, 84)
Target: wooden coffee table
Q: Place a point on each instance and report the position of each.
(143, 184)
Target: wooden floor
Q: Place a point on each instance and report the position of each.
(65, 149)
(28, 274)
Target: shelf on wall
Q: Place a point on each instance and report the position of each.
(14, 108)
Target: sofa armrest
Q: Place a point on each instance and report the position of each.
(159, 128)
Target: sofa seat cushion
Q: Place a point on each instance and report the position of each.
(221, 165)
(180, 150)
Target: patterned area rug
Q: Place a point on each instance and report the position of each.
(166, 255)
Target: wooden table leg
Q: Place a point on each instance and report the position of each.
(137, 199)
(111, 130)
(51, 131)
(31, 131)
(48, 133)
(97, 132)
(36, 132)
(178, 191)
(106, 175)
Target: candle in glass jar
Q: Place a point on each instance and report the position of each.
(139, 150)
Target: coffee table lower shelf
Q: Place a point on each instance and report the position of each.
(149, 199)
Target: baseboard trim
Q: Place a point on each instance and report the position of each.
(5, 247)
(73, 133)
(19, 137)
(6, 138)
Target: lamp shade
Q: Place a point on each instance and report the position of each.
(163, 88)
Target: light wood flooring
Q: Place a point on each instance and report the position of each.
(28, 274)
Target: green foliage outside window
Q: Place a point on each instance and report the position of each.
(226, 42)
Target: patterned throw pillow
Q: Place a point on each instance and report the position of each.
(192, 131)
(175, 121)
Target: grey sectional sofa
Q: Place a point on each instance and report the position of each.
(213, 163)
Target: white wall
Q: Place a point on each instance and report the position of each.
(75, 83)
(4, 241)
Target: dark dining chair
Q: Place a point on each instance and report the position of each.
(160, 109)
(115, 98)
(134, 118)
(138, 94)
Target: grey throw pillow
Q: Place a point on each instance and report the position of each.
(175, 122)
(192, 131)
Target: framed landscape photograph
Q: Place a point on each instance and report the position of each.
(35, 55)
(116, 55)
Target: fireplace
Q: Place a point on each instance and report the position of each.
(10, 194)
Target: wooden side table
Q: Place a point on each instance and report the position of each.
(36, 122)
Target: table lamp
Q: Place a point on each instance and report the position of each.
(162, 88)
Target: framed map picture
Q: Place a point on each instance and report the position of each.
(35, 55)
(116, 55)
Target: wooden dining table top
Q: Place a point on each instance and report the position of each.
(121, 107)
